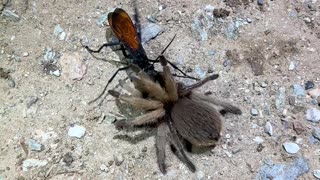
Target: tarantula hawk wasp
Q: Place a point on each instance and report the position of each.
(180, 114)
(129, 39)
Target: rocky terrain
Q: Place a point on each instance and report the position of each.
(266, 53)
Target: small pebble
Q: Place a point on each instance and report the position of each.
(280, 101)
(307, 20)
(31, 100)
(292, 100)
(260, 147)
(260, 2)
(29, 163)
(264, 84)
(25, 54)
(236, 150)
(314, 93)
(291, 147)
(318, 100)
(258, 140)
(268, 128)
(298, 127)
(104, 168)
(144, 149)
(200, 72)
(292, 66)
(200, 175)
(254, 112)
(298, 90)
(316, 133)
(56, 73)
(77, 131)
(308, 85)
(34, 145)
(118, 159)
(68, 159)
(313, 115)
(316, 173)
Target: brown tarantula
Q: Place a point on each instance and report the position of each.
(180, 114)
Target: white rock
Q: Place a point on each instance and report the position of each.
(316, 173)
(25, 54)
(29, 163)
(104, 168)
(77, 131)
(258, 140)
(292, 66)
(291, 147)
(313, 115)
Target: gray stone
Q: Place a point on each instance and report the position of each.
(313, 115)
(77, 131)
(291, 147)
(11, 15)
(280, 101)
(298, 90)
(31, 100)
(34, 145)
(316, 133)
(268, 128)
(260, 2)
(254, 112)
(308, 85)
(118, 159)
(283, 171)
(150, 31)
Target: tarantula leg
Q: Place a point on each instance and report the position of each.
(187, 89)
(227, 107)
(161, 139)
(177, 147)
(147, 118)
(146, 104)
(154, 90)
(170, 84)
(130, 89)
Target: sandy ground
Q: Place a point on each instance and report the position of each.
(253, 61)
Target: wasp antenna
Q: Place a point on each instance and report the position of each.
(137, 20)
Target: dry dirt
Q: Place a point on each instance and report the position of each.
(35, 104)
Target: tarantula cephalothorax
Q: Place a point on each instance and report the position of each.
(179, 113)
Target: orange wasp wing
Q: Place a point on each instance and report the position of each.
(121, 24)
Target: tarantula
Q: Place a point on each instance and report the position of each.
(180, 114)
